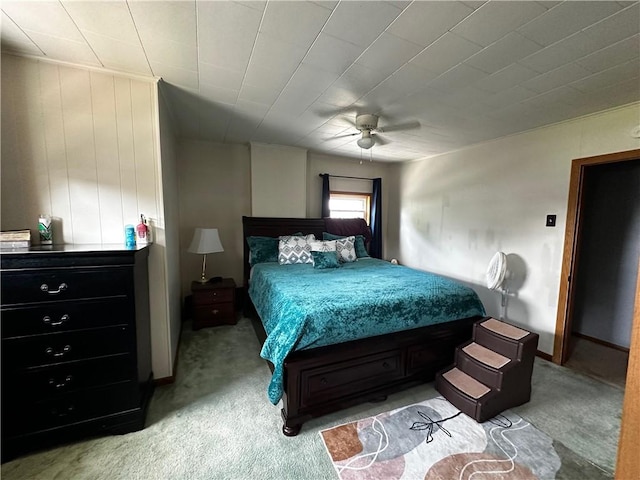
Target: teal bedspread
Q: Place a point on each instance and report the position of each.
(302, 307)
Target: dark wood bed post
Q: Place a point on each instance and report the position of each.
(331, 378)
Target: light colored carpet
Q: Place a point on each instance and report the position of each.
(216, 422)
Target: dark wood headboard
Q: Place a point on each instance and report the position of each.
(274, 227)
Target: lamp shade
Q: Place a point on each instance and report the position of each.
(205, 240)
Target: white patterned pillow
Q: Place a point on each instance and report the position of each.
(323, 246)
(295, 249)
(346, 248)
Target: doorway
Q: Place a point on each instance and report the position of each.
(575, 218)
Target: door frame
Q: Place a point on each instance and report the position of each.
(628, 461)
(572, 237)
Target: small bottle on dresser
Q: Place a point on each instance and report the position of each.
(141, 232)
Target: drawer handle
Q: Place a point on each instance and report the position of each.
(324, 380)
(66, 349)
(65, 383)
(385, 365)
(61, 288)
(63, 412)
(215, 294)
(215, 311)
(47, 320)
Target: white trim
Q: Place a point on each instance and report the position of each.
(106, 71)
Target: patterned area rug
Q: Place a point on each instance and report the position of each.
(434, 440)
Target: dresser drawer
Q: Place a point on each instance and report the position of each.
(29, 286)
(40, 350)
(208, 297)
(67, 409)
(23, 386)
(63, 316)
(343, 378)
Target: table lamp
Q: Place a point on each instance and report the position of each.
(205, 240)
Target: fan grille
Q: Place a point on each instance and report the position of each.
(496, 270)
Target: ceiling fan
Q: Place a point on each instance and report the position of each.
(367, 124)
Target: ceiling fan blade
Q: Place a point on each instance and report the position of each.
(343, 135)
(401, 126)
(380, 140)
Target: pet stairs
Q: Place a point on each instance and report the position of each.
(492, 372)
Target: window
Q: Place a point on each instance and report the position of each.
(350, 205)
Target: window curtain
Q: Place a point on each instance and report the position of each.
(375, 250)
(326, 194)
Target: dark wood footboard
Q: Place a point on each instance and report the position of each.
(327, 379)
(331, 378)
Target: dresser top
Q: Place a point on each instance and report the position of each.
(71, 255)
(74, 248)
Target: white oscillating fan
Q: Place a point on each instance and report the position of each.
(497, 273)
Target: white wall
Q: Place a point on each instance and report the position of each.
(278, 181)
(348, 167)
(215, 192)
(456, 210)
(169, 193)
(82, 146)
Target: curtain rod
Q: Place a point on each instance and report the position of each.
(342, 176)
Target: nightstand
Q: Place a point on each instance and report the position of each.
(214, 303)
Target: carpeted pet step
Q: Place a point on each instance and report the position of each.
(464, 392)
(485, 356)
(505, 339)
(492, 371)
(484, 365)
(465, 383)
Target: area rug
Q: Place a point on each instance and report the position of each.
(434, 440)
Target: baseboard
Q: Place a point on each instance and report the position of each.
(171, 379)
(544, 356)
(600, 342)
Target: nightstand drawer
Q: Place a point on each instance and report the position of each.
(218, 295)
(223, 311)
(63, 316)
(30, 286)
(39, 350)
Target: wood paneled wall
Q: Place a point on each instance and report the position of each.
(80, 146)
(83, 146)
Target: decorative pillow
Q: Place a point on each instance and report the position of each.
(295, 249)
(323, 246)
(264, 249)
(325, 259)
(346, 249)
(361, 250)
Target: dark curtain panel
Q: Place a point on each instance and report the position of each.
(376, 219)
(326, 193)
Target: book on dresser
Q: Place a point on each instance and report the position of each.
(76, 348)
(12, 239)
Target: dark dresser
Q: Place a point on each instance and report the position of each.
(76, 350)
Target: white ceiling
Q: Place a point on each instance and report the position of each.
(294, 72)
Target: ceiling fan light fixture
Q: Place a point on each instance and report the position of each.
(366, 142)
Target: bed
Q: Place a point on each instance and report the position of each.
(329, 350)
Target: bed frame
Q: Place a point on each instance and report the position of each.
(326, 379)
